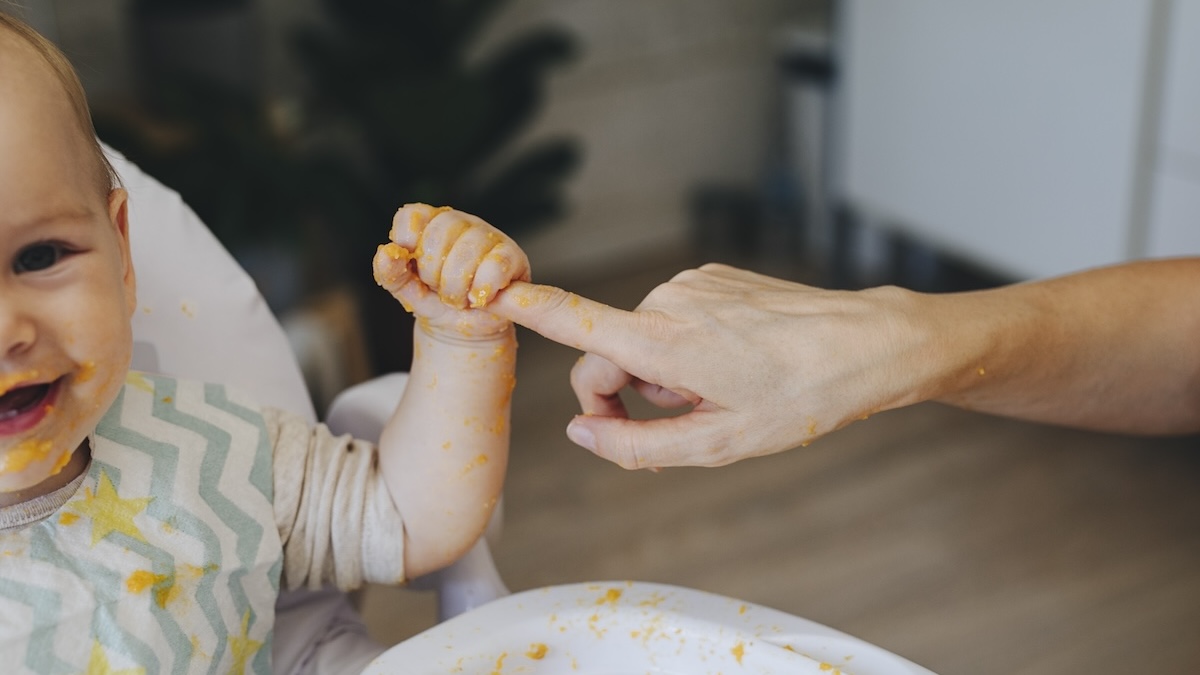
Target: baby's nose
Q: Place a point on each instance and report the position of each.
(17, 332)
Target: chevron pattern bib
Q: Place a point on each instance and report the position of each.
(166, 560)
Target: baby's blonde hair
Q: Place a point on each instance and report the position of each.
(106, 176)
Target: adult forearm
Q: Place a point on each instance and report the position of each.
(1114, 349)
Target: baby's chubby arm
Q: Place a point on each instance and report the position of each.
(443, 452)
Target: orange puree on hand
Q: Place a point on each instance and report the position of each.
(395, 252)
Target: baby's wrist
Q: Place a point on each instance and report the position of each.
(465, 334)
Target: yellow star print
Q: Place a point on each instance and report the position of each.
(242, 647)
(109, 513)
(98, 664)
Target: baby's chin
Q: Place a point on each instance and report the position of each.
(33, 462)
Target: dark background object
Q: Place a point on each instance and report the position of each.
(397, 109)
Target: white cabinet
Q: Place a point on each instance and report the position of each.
(1033, 137)
(1174, 220)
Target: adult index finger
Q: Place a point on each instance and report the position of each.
(571, 319)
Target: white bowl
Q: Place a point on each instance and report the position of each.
(633, 628)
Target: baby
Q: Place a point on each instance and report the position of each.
(147, 524)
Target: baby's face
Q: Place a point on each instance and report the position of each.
(66, 282)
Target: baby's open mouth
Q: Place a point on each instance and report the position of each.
(21, 400)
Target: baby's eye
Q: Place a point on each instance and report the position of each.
(38, 257)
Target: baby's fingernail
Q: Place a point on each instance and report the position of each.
(581, 435)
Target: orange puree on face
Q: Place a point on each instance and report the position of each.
(27, 452)
(7, 382)
(62, 461)
(87, 370)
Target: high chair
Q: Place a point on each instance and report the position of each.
(193, 296)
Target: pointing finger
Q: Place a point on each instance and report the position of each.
(574, 320)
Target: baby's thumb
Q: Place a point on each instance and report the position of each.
(642, 444)
(393, 274)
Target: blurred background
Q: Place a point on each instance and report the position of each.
(936, 144)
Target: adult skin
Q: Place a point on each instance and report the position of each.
(766, 365)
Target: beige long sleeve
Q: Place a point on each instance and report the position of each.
(337, 521)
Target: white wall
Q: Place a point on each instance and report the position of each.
(1019, 135)
(667, 93)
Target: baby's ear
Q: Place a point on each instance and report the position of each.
(118, 215)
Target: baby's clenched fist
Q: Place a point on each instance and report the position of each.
(443, 265)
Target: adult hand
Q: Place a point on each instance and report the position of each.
(763, 364)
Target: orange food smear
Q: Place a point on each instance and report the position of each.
(141, 580)
(62, 462)
(27, 452)
(610, 597)
(537, 651)
(482, 296)
(8, 382)
(395, 251)
(479, 460)
(87, 370)
(500, 663)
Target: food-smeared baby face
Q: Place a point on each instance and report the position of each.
(66, 281)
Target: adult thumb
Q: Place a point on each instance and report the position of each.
(684, 440)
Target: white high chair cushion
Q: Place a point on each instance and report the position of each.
(199, 314)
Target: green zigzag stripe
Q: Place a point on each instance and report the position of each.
(165, 459)
(261, 475)
(106, 586)
(248, 531)
(46, 605)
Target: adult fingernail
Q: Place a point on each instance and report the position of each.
(581, 435)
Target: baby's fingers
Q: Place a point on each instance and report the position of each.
(391, 266)
(410, 222)
(462, 263)
(502, 265)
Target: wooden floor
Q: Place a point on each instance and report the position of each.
(967, 543)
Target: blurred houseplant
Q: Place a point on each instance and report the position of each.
(398, 109)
